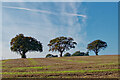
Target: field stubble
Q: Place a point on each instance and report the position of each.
(105, 66)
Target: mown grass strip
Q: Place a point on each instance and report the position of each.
(72, 60)
(32, 61)
(80, 71)
(22, 68)
(109, 64)
(4, 61)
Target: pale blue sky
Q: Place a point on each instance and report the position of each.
(85, 22)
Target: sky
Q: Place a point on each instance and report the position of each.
(83, 21)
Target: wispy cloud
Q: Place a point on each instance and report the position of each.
(66, 22)
(71, 14)
(47, 12)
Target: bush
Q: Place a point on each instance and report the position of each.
(54, 55)
(67, 55)
(86, 54)
(78, 53)
(48, 55)
(82, 54)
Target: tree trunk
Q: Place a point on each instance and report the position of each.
(96, 53)
(60, 54)
(23, 56)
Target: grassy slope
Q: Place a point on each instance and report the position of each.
(105, 66)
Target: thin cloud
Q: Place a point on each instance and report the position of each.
(71, 14)
(47, 12)
(27, 9)
(44, 27)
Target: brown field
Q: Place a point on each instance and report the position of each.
(104, 66)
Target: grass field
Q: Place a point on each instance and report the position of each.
(104, 66)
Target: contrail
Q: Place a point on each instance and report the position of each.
(71, 14)
(27, 9)
(44, 11)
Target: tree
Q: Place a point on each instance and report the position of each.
(96, 46)
(22, 45)
(61, 44)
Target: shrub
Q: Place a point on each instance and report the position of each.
(86, 54)
(82, 54)
(77, 53)
(67, 54)
(48, 55)
(54, 55)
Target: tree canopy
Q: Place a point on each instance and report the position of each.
(96, 46)
(61, 44)
(22, 45)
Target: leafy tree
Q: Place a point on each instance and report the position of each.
(22, 45)
(67, 54)
(96, 46)
(61, 44)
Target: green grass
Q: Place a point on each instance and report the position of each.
(4, 61)
(72, 60)
(80, 71)
(32, 61)
(59, 77)
(109, 64)
(22, 68)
